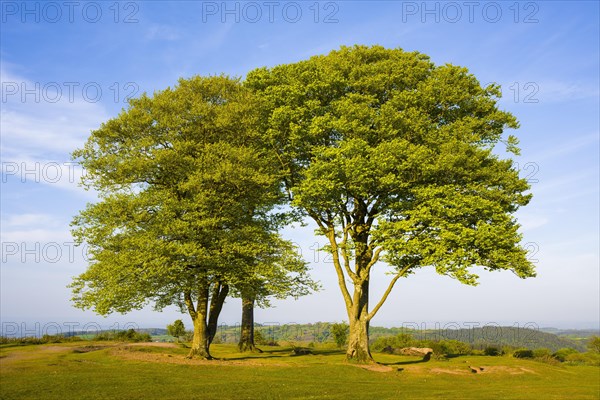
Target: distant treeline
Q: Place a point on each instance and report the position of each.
(320, 332)
(476, 337)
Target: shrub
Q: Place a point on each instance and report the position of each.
(589, 358)
(594, 344)
(177, 329)
(492, 351)
(523, 353)
(508, 350)
(394, 342)
(542, 353)
(260, 339)
(340, 333)
(561, 355)
(130, 335)
(39, 340)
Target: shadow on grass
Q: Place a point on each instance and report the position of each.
(404, 362)
(281, 353)
(422, 360)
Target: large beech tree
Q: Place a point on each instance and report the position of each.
(186, 204)
(392, 157)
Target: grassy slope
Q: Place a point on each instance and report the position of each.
(59, 372)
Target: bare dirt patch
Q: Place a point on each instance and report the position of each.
(507, 370)
(126, 353)
(87, 349)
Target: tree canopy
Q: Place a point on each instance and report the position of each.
(186, 205)
(393, 158)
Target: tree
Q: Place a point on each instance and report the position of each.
(177, 329)
(183, 191)
(340, 334)
(392, 157)
(594, 344)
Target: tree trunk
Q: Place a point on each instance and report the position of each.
(358, 339)
(216, 305)
(200, 342)
(246, 342)
(358, 342)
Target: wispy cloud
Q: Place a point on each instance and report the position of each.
(38, 133)
(556, 150)
(565, 91)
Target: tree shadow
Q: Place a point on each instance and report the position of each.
(404, 362)
(282, 353)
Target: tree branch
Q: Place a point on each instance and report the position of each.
(375, 258)
(190, 304)
(387, 292)
(338, 267)
(344, 245)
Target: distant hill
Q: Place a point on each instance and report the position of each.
(479, 338)
(482, 337)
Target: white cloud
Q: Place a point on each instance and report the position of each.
(556, 150)
(38, 133)
(28, 220)
(557, 91)
(47, 118)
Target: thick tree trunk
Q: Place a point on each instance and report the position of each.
(358, 342)
(358, 339)
(219, 294)
(200, 342)
(246, 342)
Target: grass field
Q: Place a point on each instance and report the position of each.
(101, 370)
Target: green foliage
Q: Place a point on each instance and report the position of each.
(187, 198)
(130, 335)
(562, 354)
(542, 353)
(492, 351)
(262, 340)
(39, 340)
(594, 344)
(589, 358)
(177, 329)
(523, 353)
(340, 333)
(394, 342)
(451, 347)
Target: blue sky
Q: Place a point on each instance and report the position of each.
(67, 67)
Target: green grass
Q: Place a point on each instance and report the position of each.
(91, 370)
